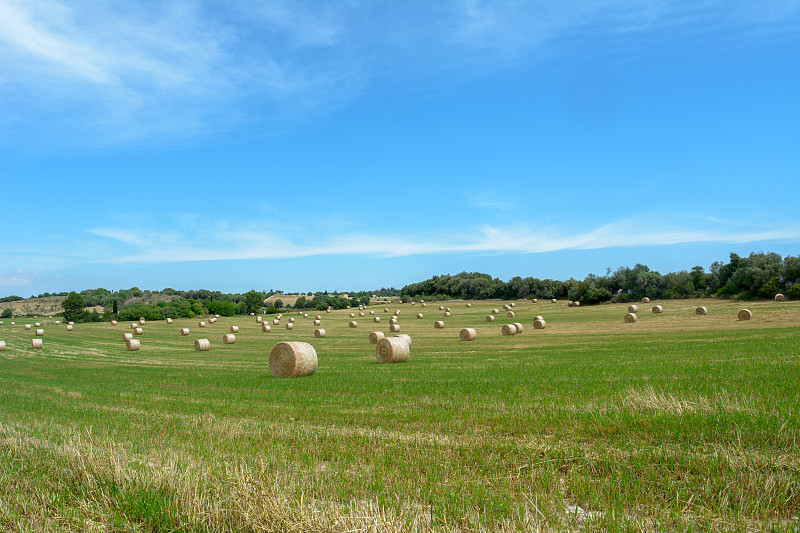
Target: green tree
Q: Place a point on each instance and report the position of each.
(253, 300)
(74, 307)
(7, 313)
(116, 307)
(279, 303)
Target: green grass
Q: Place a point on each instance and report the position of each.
(676, 422)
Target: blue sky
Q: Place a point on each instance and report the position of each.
(354, 145)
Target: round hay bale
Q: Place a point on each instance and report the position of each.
(279, 316)
(657, 309)
(353, 324)
(405, 337)
(252, 314)
(553, 301)
(229, 338)
(630, 318)
(509, 329)
(446, 309)
(27, 326)
(441, 308)
(259, 320)
(216, 316)
(424, 305)
(576, 304)
(393, 320)
(420, 315)
(37, 324)
(234, 329)
(421, 300)
(133, 345)
(645, 300)
(134, 325)
(519, 327)
(780, 298)
(633, 309)
(291, 319)
(290, 325)
(169, 320)
(36, 344)
(396, 312)
(317, 322)
(327, 310)
(202, 345)
(506, 307)
(392, 350)
(318, 317)
(70, 328)
(299, 313)
(113, 322)
(201, 324)
(372, 312)
(141, 321)
(265, 328)
(68, 323)
(539, 323)
(375, 336)
(376, 319)
(127, 336)
(276, 322)
(447, 314)
(13, 323)
(352, 315)
(385, 309)
(467, 334)
(305, 315)
(510, 314)
(535, 300)
(489, 318)
(2, 346)
(745, 314)
(495, 311)
(538, 317)
(439, 324)
(292, 360)
(319, 333)
(40, 333)
(138, 331)
(701, 310)
(469, 305)
(513, 304)
(394, 328)
(184, 331)
(570, 303)
(361, 314)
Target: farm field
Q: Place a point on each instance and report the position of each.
(675, 422)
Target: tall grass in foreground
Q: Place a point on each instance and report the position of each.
(676, 422)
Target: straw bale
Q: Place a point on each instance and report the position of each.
(317, 322)
(510, 314)
(657, 309)
(439, 324)
(70, 328)
(27, 326)
(184, 331)
(495, 311)
(361, 314)
(509, 329)
(352, 315)
(424, 305)
(138, 331)
(305, 315)
(132, 345)
(141, 321)
(553, 301)
(202, 345)
(113, 322)
(2, 346)
(372, 312)
(539, 323)
(385, 309)
(780, 298)
(291, 319)
(327, 310)
(127, 336)
(645, 300)
(633, 308)
(318, 317)
(230, 338)
(420, 315)
(630, 318)
(292, 359)
(513, 304)
(375, 336)
(36, 344)
(38, 324)
(394, 328)
(745, 314)
(701, 310)
(519, 327)
(276, 322)
(319, 333)
(441, 308)
(392, 350)
(535, 300)
(376, 319)
(259, 320)
(467, 334)
(353, 324)
(201, 324)
(40, 333)
(469, 305)
(290, 325)
(265, 328)
(234, 329)
(393, 320)
(489, 318)
(506, 307)
(405, 337)
(447, 314)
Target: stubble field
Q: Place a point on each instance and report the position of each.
(675, 422)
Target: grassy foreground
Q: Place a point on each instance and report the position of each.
(676, 422)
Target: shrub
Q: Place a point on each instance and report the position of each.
(794, 292)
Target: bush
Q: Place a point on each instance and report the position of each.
(7, 313)
(272, 310)
(794, 292)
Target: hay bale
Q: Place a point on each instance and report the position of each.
(495, 311)
(424, 305)
(489, 318)
(40, 333)
(290, 325)
(441, 308)
(265, 328)
(230, 338)
(447, 314)
(252, 314)
(509, 329)
(657, 309)
(292, 360)
(510, 314)
(352, 315)
(405, 338)
(780, 298)
(446, 309)
(396, 312)
(202, 345)
(201, 324)
(319, 333)
(113, 322)
(317, 322)
(535, 300)
(327, 310)
(70, 328)
(538, 317)
(141, 321)
(469, 305)
(234, 329)
(570, 303)
(68, 323)
(701, 311)
(375, 336)
(519, 327)
(553, 301)
(506, 307)
(645, 300)
(633, 309)
(438, 324)
(353, 324)
(318, 317)
(2, 346)
(539, 323)
(276, 322)
(467, 334)
(27, 326)
(127, 336)
(361, 314)
(36, 344)
(279, 316)
(576, 304)
(393, 320)
(385, 309)
(513, 304)
(305, 315)
(372, 312)
(37, 324)
(745, 314)
(291, 320)
(184, 331)
(138, 331)
(630, 318)
(392, 350)
(376, 319)
(394, 328)
(259, 320)
(133, 345)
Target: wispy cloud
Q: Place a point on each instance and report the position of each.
(17, 278)
(110, 73)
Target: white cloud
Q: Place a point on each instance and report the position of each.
(17, 278)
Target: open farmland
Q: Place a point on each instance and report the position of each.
(676, 421)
